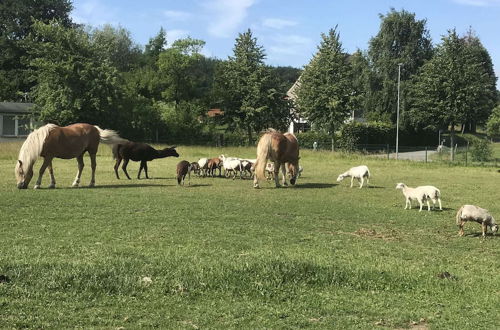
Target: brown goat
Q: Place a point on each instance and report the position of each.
(183, 168)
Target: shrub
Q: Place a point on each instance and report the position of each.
(481, 150)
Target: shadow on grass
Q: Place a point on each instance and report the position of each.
(197, 185)
(314, 185)
(479, 234)
(127, 185)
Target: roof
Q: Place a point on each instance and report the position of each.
(214, 112)
(15, 107)
(292, 92)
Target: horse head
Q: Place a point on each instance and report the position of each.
(23, 178)
(293, 169)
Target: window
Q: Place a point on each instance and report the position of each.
(9, 125)
(15, 125)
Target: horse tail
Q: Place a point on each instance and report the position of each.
(109, 136)
(116, 150)
(263, 151)
(459, 215)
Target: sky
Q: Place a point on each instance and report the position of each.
(289, 31)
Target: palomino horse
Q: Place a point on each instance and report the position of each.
(281, 149)
(51, 141)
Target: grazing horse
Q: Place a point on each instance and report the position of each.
(281, 149)
(51, 141)
(139, 152)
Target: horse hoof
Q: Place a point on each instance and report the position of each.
(75, 185)
(92, 184)
(36, 187)
(52, 186)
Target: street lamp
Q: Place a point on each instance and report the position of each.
(397, 113)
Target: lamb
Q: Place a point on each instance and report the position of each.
(358, 172)
(421, 194)
(203, 163)
(477, 214)
(183, 168)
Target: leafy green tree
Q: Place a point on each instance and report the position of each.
(117, 44)
(360, 73)
(74, 81)
(325, 85)
(16, 18)
(450, 85)
(247, 91)
(401, 39)
(493, 124)
(479, 114)
(179, 67)
(155, 46)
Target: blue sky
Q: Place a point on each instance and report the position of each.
(289, 30)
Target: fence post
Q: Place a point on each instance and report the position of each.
(333, 145)
(426, 154)
(466, 152)
(388, 151)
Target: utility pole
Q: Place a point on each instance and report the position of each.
(397, 114)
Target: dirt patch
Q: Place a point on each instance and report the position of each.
(390, 235)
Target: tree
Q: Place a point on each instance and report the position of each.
(117, 44)
(247, 91)
(401, 39)
(74, 81)
(325, 85)
(479, 54)
(450, 85)
(493, 124)
(16, 18)
(155, 46)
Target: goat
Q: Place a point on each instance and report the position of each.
(195, 168)
(203, 163)
(358, 172)
(414, 193)
(183, 168)
(231, 164)
(214, 164)
(433, 194)
(477, 214)
(139, 152)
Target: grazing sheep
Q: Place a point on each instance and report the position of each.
(183, 168)
(412, 193)
(358, 172)
(477, 214)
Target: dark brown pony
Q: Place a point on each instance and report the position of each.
(281, 149)
(51, 141)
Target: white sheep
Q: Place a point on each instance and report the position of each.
(477, 214)
(358, 172)
(414, 193)
(203, 163)
(433, 194)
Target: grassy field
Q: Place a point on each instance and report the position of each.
(221, 254)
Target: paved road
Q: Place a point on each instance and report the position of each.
(412, 155)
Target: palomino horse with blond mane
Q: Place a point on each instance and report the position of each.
(281, 149)
(51, 141)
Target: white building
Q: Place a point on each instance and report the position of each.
(15, 120)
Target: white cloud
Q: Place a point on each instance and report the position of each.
(93, 12)
(226, 16)
(479, 3)
(286, 46)
(177, 15)
(277, 23)
(176, 34)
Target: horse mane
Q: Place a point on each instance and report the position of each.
(32, 147)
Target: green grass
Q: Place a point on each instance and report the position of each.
(221, 254)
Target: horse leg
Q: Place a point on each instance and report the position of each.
(117, 165)
(124, 167)
(146, 169)
(46, 162)
(255, 179)
(362, 182)
(52, 178)
(80, 169)
(461, 228)
(140, 170)
(93, 165)
(283, 173)
(276, 174)
(352, 180)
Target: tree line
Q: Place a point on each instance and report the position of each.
(77, 73)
